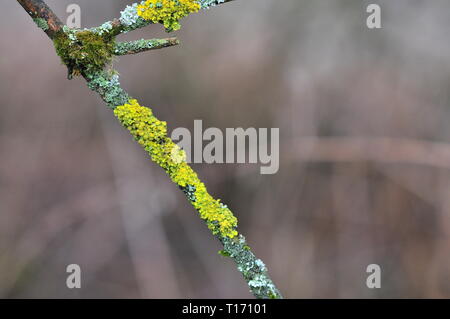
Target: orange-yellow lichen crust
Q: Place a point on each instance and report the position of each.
(167, 12)
(151, 133)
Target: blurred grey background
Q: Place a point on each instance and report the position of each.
(364, 177)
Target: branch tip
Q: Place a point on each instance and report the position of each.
(134, 47)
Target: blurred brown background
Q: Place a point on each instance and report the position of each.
(364, 178)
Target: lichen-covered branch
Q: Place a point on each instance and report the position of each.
(130, 18)
(134, 47)
(88, 53)
(107, 85)
(252, 269)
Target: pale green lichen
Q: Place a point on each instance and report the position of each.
(151, 134)
(206, 4)
(130, 19)
(104, 29)
(41, 23)
(253, 270)
(122, 48)
(107, 85)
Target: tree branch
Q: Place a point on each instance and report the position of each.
(129, 20)
(152, 133)
(134, 47)
(43, 16)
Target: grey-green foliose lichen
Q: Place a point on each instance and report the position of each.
(253, 269)
(130, 19)
(107, 85)
(41, 23)
(122, 48)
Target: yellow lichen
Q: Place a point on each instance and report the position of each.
(167, 12)
(151, 133)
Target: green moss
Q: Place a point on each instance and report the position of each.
(223, 253)
(84, 51)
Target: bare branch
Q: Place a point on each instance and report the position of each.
(43, 16)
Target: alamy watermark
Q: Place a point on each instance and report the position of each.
(235, 145)
(74, 17)
(374, 279)
(374, 19)
(74, 279)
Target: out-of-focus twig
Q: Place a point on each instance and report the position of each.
(381, 150)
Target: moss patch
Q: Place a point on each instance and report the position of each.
(84, 52)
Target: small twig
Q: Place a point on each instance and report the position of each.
(372, 149)
(134, 47)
